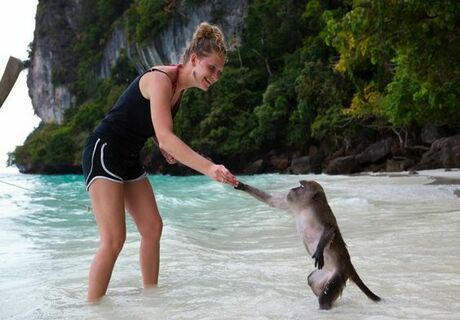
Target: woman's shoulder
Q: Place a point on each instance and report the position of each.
(169, 70)
(160, 73)
(158, 77)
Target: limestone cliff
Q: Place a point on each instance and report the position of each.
(52, 19)
(57, 18)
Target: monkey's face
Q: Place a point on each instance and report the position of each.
(303, 194)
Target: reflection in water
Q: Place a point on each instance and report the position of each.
(227, 256)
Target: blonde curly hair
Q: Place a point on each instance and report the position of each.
(206, 40)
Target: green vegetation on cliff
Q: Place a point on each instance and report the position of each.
(307, 73)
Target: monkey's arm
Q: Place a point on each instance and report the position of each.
(262, 196)
(326, 237)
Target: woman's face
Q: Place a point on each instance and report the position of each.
(207, 70)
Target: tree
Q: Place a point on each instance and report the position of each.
(412, 48)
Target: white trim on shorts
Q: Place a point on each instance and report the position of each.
(102, 177)
(92, 162)
(103, 164)
(137, 179)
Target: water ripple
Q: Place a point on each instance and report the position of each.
(227, 256)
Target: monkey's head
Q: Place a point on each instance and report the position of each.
(304, 194)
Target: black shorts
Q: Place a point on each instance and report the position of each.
(106, 160)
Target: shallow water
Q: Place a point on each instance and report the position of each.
(226, 256)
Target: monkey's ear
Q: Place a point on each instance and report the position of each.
(319, 195)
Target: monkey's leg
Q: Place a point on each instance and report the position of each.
(331, 292)
(317, 280)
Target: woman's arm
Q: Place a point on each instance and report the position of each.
(169, 158)
(157, 88)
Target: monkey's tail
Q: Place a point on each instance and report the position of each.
(356, 279)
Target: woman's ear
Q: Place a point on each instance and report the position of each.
(193, 59)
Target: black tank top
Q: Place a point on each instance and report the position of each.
(129, 123)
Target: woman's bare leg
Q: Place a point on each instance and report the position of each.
(108, 208)
(140, 203)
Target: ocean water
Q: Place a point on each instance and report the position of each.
(226, 256)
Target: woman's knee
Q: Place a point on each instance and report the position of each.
(154, 229)
(113, 244)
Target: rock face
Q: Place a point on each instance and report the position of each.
(375, 152)
(342, 165)
(444, 153)
(169, 45)
(299, 165)
(50, 102)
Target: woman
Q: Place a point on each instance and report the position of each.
(114, 175)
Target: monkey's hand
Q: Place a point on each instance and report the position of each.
(326, 238)
(319, 258)
(240, 186)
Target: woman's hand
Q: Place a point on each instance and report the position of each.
(169, 158)
(219, 173)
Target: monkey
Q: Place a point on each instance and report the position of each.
(321, 236)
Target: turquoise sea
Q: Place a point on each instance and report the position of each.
(226, 256)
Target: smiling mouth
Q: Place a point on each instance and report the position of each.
(207, 81)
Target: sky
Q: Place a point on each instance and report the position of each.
(17, 118)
